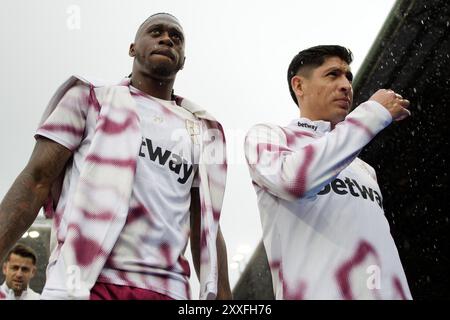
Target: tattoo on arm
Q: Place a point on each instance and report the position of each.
(29, 191)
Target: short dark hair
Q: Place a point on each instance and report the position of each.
(314, 57)
(163, 13)
(23, 251)
(157, 14)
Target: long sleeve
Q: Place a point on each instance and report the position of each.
(293, 164)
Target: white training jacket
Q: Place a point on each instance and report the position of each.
(324, 228)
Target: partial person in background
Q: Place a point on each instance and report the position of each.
(129, 172)
(321, 208)
(19, 268)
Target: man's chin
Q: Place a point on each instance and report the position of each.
(339, 118)
(159, 67)
(163, 71)
(17, 287)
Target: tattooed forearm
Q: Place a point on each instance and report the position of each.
(28, 193)
(18, 209)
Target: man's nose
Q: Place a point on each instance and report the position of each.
(165, 39)
(345, 85)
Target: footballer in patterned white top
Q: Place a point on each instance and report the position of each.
(321, 208)
(149, 253)
(160, 184)
(161, 195)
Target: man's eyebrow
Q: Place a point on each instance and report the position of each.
(164, 26)
(347, 72)
(335, 68)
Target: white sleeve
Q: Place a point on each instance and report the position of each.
(302, 173)
(66, 124)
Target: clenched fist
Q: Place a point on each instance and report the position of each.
(393, 102)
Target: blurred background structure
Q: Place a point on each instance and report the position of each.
(411, 55)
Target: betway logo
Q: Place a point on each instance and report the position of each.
(175, 164)
(306, 125)
(348, 185)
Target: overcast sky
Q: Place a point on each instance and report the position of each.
(237, 56)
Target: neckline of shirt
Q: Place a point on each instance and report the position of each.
(10, 291)
(148, 96)
(310, 125)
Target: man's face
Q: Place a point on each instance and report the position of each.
(327, 92)
(18, 272)
(159, 47)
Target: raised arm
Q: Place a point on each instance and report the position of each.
(300, 170)
(30, 190)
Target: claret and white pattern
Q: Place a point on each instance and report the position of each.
(324, 228)
(106, 227)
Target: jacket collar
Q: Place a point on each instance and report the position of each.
(10, 292)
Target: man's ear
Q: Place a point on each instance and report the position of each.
(132, 51)
(298, 85)
(33, 271)
(4, 268)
